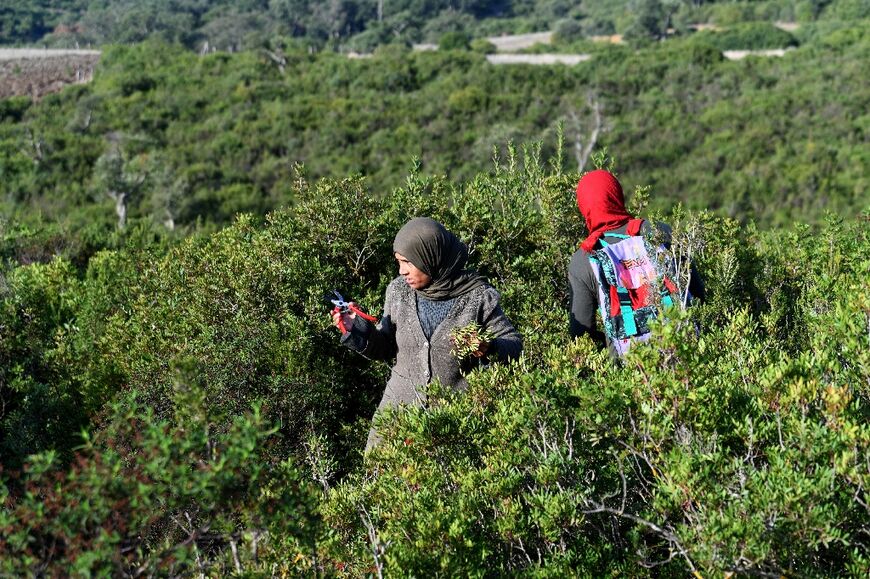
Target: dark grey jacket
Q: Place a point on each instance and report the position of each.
(419, 361)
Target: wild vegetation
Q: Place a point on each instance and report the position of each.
(187, 140)
(174, 399)
(737, 441)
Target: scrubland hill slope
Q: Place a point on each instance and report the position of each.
(191, 139)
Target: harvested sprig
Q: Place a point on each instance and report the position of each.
(468, 340)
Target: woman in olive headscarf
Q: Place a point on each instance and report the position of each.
(433, 294)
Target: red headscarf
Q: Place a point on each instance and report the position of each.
(600, 200)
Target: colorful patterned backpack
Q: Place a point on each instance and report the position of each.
(634, 282)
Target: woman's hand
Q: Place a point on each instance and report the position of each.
(481, 349)
(470, 341)
(343, 320)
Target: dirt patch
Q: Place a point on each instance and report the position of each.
(36, 73)
(538, 59)
(515, 42)
(741, 54)
(611, 39)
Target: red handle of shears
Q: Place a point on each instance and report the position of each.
(352, 307)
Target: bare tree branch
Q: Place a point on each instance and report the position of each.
(583, 152)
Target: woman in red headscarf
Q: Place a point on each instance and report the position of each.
(602, 204)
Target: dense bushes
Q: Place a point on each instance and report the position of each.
(579, 465)
(742, 449)
(149, 496)
(751, 36)
(173, 399)
(227, 25)
(51, 324)
(737, 441)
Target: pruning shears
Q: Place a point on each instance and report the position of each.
(343, 306)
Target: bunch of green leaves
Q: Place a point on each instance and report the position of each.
(467, 340)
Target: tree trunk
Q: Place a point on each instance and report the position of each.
(120, 207)
(582, 153)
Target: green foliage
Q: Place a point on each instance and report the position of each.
(750, 36)
(651, 19)
(468, 340)
(734, 442)
(225, 25)
(40, 409)
(846, 10)
(568, 31)
(722, 452)
(152, 496)
(482, 45)
(454, 41)
(198, 139)
(160, 381)
(13, 109)
(56, 372)
(249, 306)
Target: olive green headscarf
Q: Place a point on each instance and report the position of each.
(439, 254)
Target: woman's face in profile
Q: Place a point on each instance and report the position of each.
(414, 277)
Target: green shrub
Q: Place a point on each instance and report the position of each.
(711, 454)
(568, 31)
(847, 10)
(482, 45)
(737, 450)
(748, 36)
(736, 441)
(55, 374)
(457, 40)
(146, 495)
(41, 407)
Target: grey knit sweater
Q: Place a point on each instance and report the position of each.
(420, 360)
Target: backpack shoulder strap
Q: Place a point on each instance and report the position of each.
(612, 235)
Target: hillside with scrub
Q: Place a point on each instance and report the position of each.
(174, 399)
(166, 135)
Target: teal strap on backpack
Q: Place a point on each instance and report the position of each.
(667, 301)
(616, 235)
(627, 312)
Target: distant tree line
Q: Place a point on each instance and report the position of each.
(364, 24)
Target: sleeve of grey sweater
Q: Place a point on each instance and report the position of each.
(508, 343)
(583, 294)
(374, 341)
